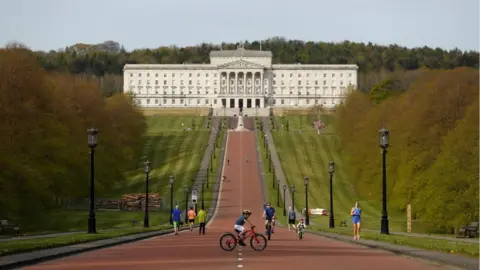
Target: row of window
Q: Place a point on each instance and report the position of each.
(198, 75)
(308, 92)
(232, 82)
(332, 82)
(190, 75)
(299, 75)
(181, 101)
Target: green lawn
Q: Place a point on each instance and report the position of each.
(171, 151)
(71, 221)
(305, 153)
(447, 245)
(26, 245)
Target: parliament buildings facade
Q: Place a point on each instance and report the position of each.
(239, 79)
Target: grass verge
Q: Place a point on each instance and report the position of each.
(19, 246)
(303, 152)
(442, 245)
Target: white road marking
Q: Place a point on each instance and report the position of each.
(240, 254)
(240, 259)
(240, 266)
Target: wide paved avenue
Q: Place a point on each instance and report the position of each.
(189, 250)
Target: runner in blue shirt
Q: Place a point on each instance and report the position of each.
(176, 219)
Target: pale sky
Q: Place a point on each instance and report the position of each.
(54, 24)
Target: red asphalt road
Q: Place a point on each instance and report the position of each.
(190, 250)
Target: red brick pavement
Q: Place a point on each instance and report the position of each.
(192, 251)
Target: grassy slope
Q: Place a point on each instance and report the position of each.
(303, 152)
(171, 150)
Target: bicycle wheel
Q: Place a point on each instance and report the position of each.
(269, 231)
(228, 242)
(300, 235)
(258, 242)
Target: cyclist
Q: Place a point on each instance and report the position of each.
(239, 225)
(301, 226)
(269, 215)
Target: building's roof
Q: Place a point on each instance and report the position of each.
(240, 52)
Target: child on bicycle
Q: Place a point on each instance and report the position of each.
(239, 225)
(301, 226)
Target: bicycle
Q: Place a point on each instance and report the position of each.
(300, 233)
(231, 241)
(269, 229)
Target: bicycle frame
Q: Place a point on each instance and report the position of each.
(248, 234)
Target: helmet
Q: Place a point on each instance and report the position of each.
(246, 211)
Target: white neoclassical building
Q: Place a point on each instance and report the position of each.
(239, 79)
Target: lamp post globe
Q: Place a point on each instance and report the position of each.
(171, 181)
(92, 143)
(384, 136)
(92, 137)
(331, 170)
(284, 206)
(331, 167)
(147, 169)
(307, 214)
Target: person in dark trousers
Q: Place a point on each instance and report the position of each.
(201, 219)
(228, 162)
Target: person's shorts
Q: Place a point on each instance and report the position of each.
(269, 219)
(291, 221)
(356, 221)
(239, 228)
(176, 224)
(191, 220)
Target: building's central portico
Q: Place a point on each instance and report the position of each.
(241, 84)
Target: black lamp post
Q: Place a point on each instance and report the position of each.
(384, 136)
(284, 208)
(194, 191)
(171, 181)
(293, 197)
(278, 193)
(203, 202)
(211, 161)
(307, 216)
(92, 143)
(147, 172)
(208, 174)
(331, 169)
(269, 161)
(273, 177)
(186, 204)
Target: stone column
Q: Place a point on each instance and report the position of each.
(236, 82)
(228, 82)
(244, 83)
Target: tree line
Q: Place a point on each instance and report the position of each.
(44, 117)
(433, 158)
(375, 61)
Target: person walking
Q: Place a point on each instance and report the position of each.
(355, 213)
(201, 219)
(292, 216)
(191, 218)
(176, 219)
